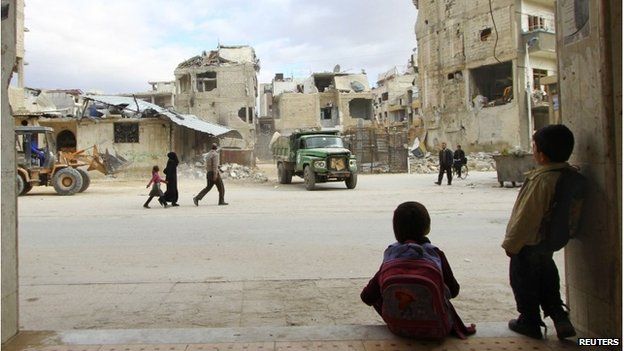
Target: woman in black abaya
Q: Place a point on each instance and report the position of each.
(171, 173)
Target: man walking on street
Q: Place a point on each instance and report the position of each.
(459, 159)
(213, 177)
(446, 162)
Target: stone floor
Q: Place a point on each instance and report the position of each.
(491, 337)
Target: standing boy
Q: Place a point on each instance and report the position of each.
(533, 274)
(213, 177)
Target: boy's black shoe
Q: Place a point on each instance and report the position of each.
(223, 204)
(174, 204)
(146, 206)
(438, 183)
(195, 201)
(564, 327)
(525, 328)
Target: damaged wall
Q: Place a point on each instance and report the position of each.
(456, 39)
(293, 111)
(151, 149)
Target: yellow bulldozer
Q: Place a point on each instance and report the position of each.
(39, 163)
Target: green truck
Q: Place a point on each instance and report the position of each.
(316, 156)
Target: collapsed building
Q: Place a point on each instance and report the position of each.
(221, 87)
(485, 68)
(138, 131)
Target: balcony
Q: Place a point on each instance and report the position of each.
(541, 43)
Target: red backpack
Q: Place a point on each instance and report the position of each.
(415, 304)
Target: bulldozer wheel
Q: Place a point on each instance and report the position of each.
(67, 181)
(86, 180)
(20, 185)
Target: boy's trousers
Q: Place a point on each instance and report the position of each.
(535, 282)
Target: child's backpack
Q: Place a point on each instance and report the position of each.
(563, 217)
(415, 303)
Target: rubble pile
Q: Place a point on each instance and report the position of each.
(477, 161)
(230, 171)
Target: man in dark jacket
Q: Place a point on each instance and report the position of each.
(446, 162)
(459, 159)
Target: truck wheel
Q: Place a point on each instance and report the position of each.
(19, 185)
(67, 181)
(309, 177)
(284, 176)
(351, 182)
(86, 180)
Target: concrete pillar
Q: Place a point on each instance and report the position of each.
(9, 309)
(589, 49)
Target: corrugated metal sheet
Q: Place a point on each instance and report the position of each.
(188, 121)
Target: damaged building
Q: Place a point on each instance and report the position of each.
(140, 132)
(396, 97)
(483, 67)
(220, 87)
(324, 100)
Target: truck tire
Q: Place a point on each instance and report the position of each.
(86, 180)
(67, 181)
(20, 185)
(284, 176)
(351, 182)
(309, 177)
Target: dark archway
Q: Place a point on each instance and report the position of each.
(66, 141)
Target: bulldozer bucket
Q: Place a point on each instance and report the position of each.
(111, 164)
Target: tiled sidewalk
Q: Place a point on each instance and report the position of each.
(493, 337)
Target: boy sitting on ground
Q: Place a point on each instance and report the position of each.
(414, 285)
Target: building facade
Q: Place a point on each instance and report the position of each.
(221, 87)
(480, 63)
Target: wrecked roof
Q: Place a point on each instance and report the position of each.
(352, 82)
(223, 55)
(188, 121)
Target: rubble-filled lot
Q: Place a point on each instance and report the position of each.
(278, 255)
(477, 161)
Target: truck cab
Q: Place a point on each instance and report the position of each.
(316, 156)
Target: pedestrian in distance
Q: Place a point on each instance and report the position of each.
(459, 159)
(155, 184)
(446, 162)
(171, 177)
(414, 285)
(213, 177)
(533, 274)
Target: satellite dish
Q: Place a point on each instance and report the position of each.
(337, 69)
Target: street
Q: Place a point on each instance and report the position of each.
(278, 255)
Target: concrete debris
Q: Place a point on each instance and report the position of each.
(477, 161)
(231, 171)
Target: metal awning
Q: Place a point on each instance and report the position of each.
(188, 121)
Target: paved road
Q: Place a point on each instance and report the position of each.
(277, 255)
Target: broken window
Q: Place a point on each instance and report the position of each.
(242, 114)
(485, 34)
(361, 108)
(206, 81)
(326, 113)
(493, 83)
(126, 132)
(323, 82)
(185, 83)
(536, 22)
(384, 96)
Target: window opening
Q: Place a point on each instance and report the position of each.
(492, 84)
(536, 22)
(206, 81)
(326, 113)
(126, 132)
(361, 108)
(537, 75)
(384, 96)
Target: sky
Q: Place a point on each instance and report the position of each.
(117, 46)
